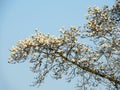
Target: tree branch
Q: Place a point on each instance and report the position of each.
(93, 71)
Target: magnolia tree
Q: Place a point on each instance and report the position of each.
(92, 65)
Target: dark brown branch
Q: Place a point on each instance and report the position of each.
(93, 71)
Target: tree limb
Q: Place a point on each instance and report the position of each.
(93, 71)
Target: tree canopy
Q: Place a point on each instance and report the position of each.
(92, 65)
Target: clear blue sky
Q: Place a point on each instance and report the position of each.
(19, 18)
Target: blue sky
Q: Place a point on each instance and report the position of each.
(19, 18)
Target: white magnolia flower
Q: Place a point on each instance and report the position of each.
(60, 51)
(79, 61)
(73, 60)
(104, 46)
(64, 31)
(94, 58)
(73, 28)
(103, 38)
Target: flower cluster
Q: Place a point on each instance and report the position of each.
(32, 44)
(103, 28)
(52, 51)
(101, 22)
(66, 44)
